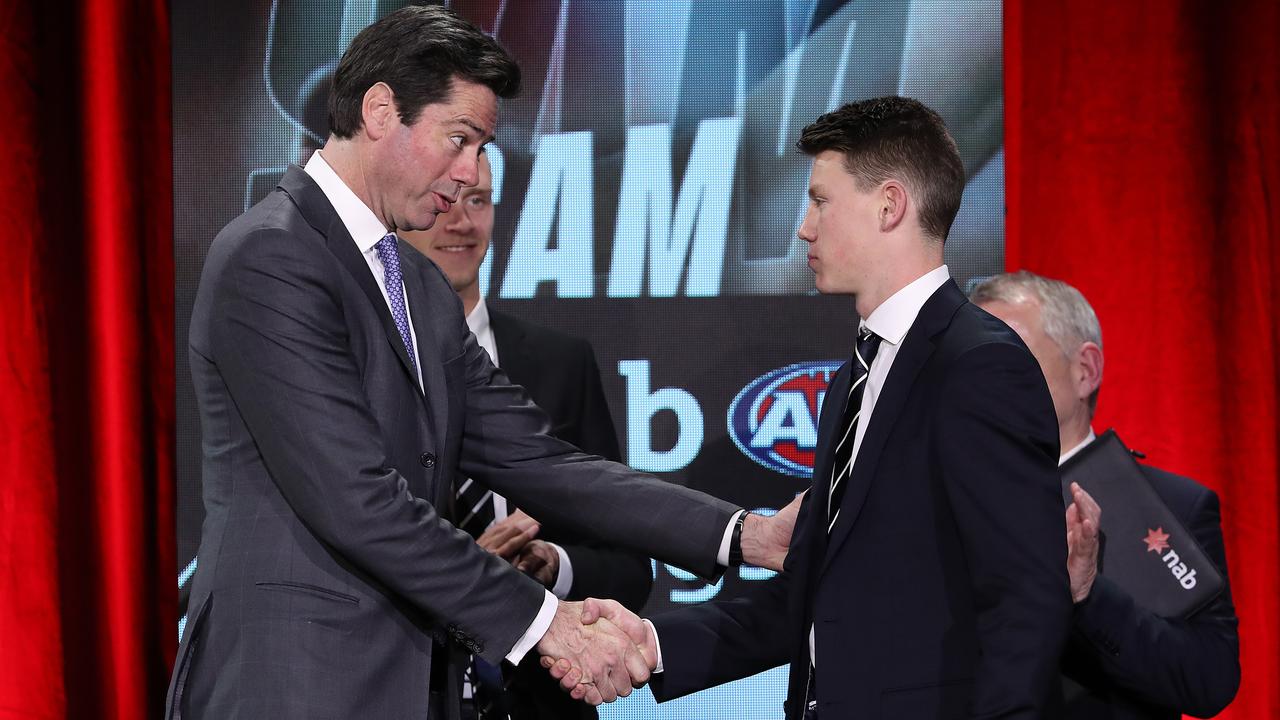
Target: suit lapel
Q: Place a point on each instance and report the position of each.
(815, 531)
(917, 348)
(828, 424)
(423, 317)
(509, 337)
(319, 213)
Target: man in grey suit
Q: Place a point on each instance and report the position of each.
(341, 393)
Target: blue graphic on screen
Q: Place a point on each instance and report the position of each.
(774, 420)
(652, 152)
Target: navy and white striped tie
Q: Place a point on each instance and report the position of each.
(842, 467)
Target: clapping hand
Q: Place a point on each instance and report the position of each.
(540, 561)
(1084, 518)
(508, 536)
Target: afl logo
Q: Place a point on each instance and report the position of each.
(774, 420)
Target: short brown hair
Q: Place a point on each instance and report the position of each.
(417, 51)
(895, 137)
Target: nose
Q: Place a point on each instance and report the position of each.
(806, 231)
(466, 169)
(458, 220)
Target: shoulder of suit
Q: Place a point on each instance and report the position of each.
(1179, 492)
(972, 328)
(548, 339)
(272, 225)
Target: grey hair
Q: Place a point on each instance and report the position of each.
(1066, 315)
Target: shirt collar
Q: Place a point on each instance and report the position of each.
(365, 227)
(1068, 454)
(894, 317)
(478, 318)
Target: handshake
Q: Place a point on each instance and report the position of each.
(598, 650)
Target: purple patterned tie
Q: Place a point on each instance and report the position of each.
(389, 254)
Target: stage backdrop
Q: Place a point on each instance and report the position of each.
(648, 193)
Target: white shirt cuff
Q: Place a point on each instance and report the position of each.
(657, 645)
(540, 625)
(722, 557)
(564, 578)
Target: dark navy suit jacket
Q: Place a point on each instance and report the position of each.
(942, 591)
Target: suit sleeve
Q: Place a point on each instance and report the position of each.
(725, 640)
(718, 642)
(1191, 665)
(997, 450)
(280, 343)
(507, 446)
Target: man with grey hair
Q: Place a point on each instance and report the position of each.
(1122, 661)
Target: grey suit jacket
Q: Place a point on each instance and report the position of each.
(330, 577)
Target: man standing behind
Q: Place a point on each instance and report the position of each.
(560, 374)
(925, 578)
(1131, 663)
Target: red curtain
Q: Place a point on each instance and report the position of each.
(1143, 167)
(86, 360)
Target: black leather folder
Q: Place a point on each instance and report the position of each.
(1147, 551)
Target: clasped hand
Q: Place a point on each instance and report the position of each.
(598, 650)
(513, 539)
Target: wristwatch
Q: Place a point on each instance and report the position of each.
(735, 541)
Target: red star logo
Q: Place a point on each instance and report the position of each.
(1157, 540)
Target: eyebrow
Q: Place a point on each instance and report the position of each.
(485, 139)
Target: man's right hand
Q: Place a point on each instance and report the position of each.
(640, 634)
(603, 663)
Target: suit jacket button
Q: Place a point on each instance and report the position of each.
(427, 459)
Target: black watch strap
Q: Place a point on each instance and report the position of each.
(735, 541)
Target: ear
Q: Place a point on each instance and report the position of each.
(893, 205)
(1088, 369)
(378, 110)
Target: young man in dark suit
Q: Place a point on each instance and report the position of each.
(925, 578)
(341, 394)
(560, 373)
(1123, 662)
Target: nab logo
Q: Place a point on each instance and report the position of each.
(1157, 542)
(774, 420)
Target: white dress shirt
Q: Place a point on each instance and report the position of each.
(1083, 444)
(366, 230)
(478, 321)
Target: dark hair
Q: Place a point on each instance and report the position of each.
(417, 51)
(900, 138)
